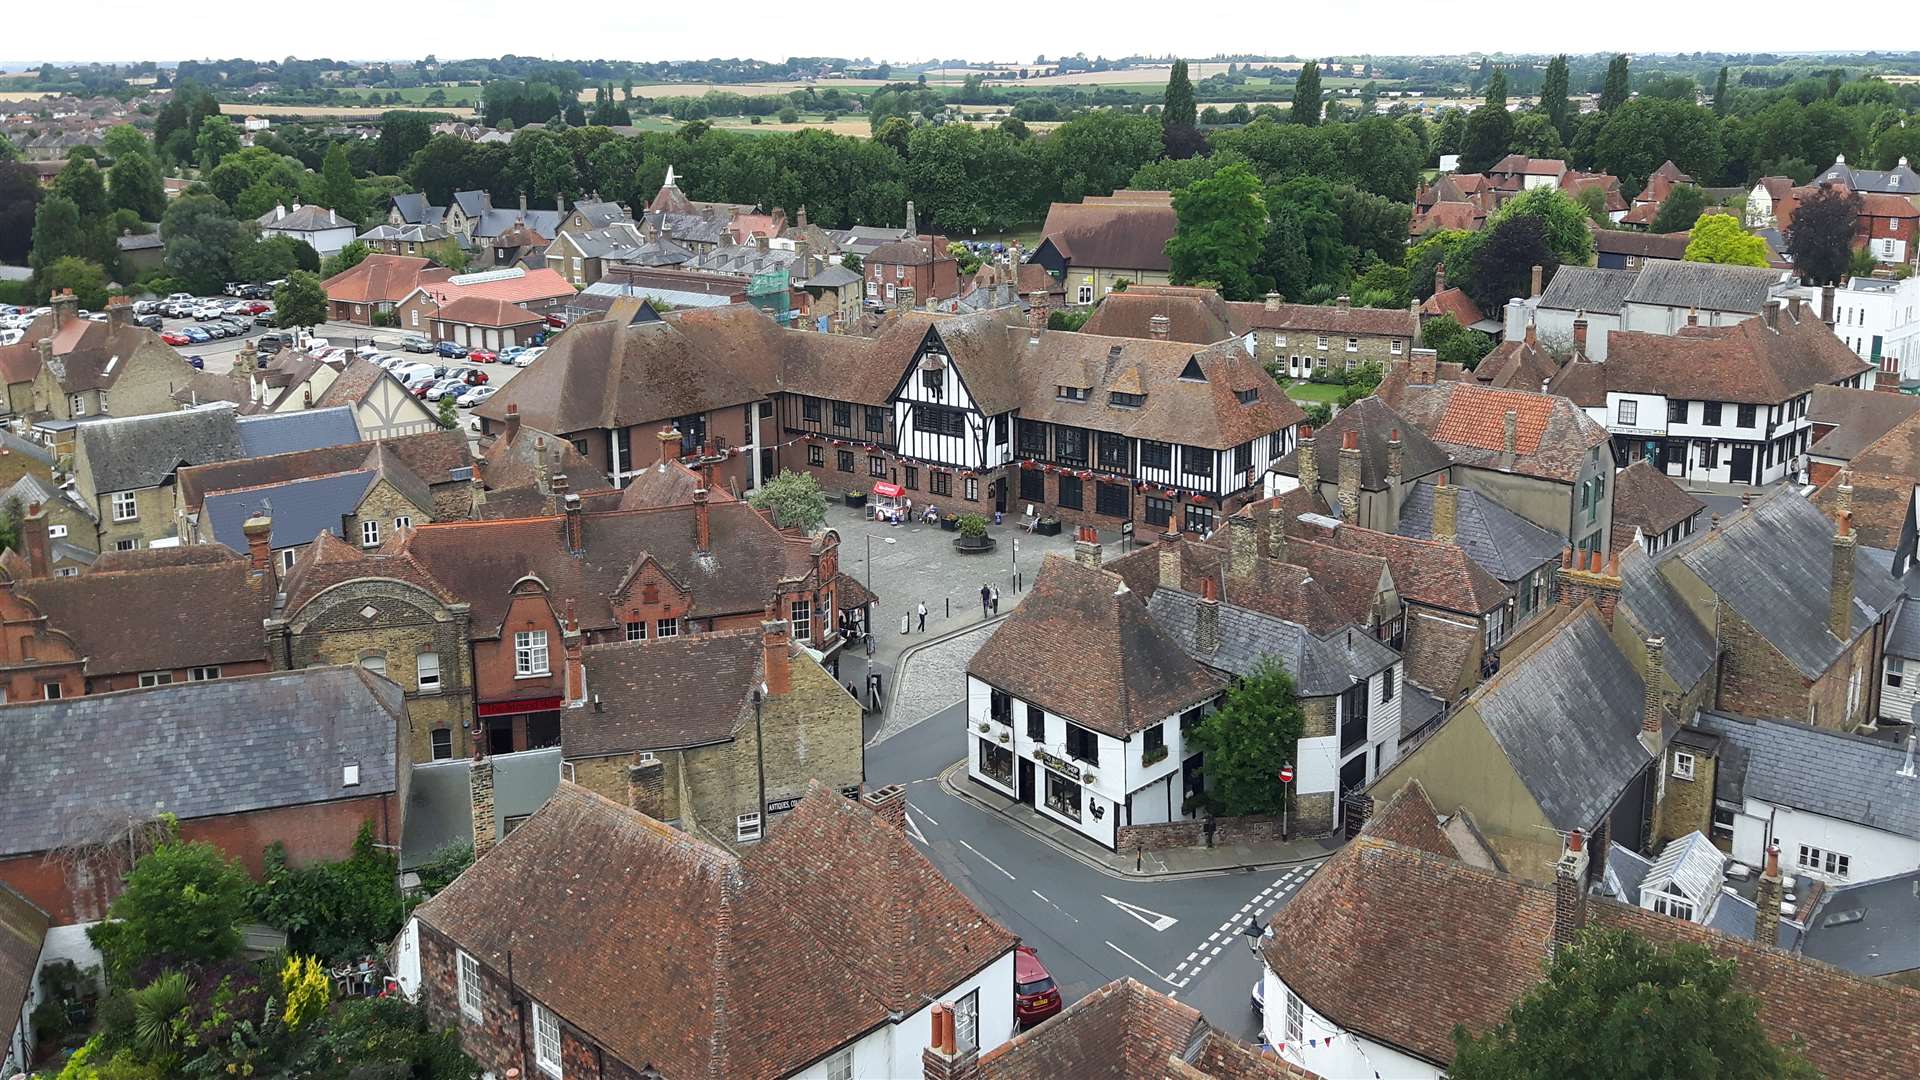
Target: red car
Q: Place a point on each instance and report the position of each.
(175, 339)
(482, 356)
(258, 306)
(1035, 997)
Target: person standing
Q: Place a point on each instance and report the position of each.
(996, 601)
(986, 598)
(923, 616)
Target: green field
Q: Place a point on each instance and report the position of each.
(416, 95)
(1313, 391)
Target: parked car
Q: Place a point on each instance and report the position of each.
(474, 396)
(175, 338)
(482, 356)
(179, 298)
(412, 371)
(444, 387)
(1035, 997)
(507, 354)
(556, 322)
(151, 322)
(1260, 995)
(416, 343)
(269, 344)
(528, 356)
(196, 335)
(451, 351)
(470, 376)
(146, 307)
(419, 387)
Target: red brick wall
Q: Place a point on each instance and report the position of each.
(128, 680)
(1254, 828)
(1755, 679)
(319, 833)
(1819, 472)
(494, 676)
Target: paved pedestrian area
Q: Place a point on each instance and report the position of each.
(932, 678)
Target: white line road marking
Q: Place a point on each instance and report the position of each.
(1153, 919)
(1181, 966)
(1042, 896)
(924, 814)
(988, 861)
(913, 830)
(1054, 906)
(1137, 960)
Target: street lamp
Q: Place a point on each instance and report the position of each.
(1254, 933)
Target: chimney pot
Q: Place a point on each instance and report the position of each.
(890, 803)
(1534, 282)
(1086, 546)
(669, 444)
(1446, 512)
(778, 654)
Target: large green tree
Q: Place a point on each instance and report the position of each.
(1642, 133)
(1500, 261)
(1682, 207)
(1615, 91)
(1614, 1006)
(135, 184)
(1820, 236)
(57, 232)
(338, 192)
(1489, 138)
(1306, 94)
(1564, 221)
(1553, 96)
(1096, 153)
(1178, 126)
(402, 134)
(20, 195)
(121, 140)
(300, 301)
(1497, 88)
(1221, 220)
(795, 500)
(181, 902)
(216, 139)
(1720, 100)
(202, 238)
(1255, 731)
(1719, 238)
(87, 279)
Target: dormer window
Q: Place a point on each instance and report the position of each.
(1248, 397)
(1126, 401)
(1192, 372)
(1070, 393)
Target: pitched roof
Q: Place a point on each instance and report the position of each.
(1522, 364)
(1374, 421)
(1771, 563)
(1703, 286)
(1553, 440)
(1502, 542)
(752, 965)
(1320, 666)
(303, 219)
(1656, 609)
(436, 457)
(1195, 316)
(665, 694)
(1205, 412)
(1452, 301)
(1834, 774)
(1086, 649)
(1859, 418)
(1591, 289)
(286, 433)
(1424, 571)
(382, 278)
(1566, 713)
(23, 930)
(195, 749)
(1646, 498)
(303, 509)
(439, 809)
(1112, 235)
(125, 453)
(515, 285)
(191, 613)
(1883, 487)
(1467, 944)
(1652, 246)
(1410, 820)
(1338, 319)
(666, 484)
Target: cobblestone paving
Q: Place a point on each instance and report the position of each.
(932, 679)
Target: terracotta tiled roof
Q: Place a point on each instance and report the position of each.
(1410, 820)
(1464, 216)
(1176, 409)
(1195, 316)
(1452, 302)
(1112, 235)
(666, 484)
(1477, 417)
(666, 694)
(1467, 944)
(1644, 496)
(541, 284)
(1553, 439)
(513, 460)
(749, 966)
(382, 278)
(189, 615)
(1517, 365)
(1883, 486)
(1425, 571)
(1336, 319)
(1643, 245)
(1859, 418)
(1761, 361)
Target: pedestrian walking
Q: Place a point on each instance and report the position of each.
(996, 601)
(923, 616)
(986, 598)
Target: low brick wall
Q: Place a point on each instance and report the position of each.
(1253, 828)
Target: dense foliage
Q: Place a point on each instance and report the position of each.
(794, 498)
(1255, 731)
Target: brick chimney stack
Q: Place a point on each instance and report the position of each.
(480, 801)
(1888, 377)
(777, 649)
(1569, 893)
(1653, 702)
(1583, 576)
(1276, 532)
(1037, 309)
(258, 530)
(1272, 302)
(890, 803)
(1580, 333)
(1439, 278)
(120, 312)
(669, 444)
(943, 1059)
(647, 786)
(39, 546)
(1169, 548)
(1086, 546)
(1424, 368)
(1826, 304)
(1509, 437)
(1242, 547)
(1840, 596)
(1766, 901)
(1206, 617)
(1446, 512)
(702, 523)
(1159, 327)
(1534, 283)
(1843, 493)
(513, 421)
(1309, 465)
(1349, 478)
(573, 644)
(1393, 458)
(576, 521)
(66, 308)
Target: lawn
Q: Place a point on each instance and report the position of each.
(1313, 391)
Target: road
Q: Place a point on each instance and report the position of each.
(1182, 937)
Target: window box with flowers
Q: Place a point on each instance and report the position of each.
(1153, 755)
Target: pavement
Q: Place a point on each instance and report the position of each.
(1182, 934)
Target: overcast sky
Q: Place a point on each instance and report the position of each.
(366, 29)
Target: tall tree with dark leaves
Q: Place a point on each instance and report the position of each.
(1720, 93)
(135, 184)
(1178, 130)
(1553, 95)
(1489, 137)
(1497, 88)
(402, 134)
(338, 192)
(1820, 237)
(1615, 91)
(57, 231)
(1306, 94)
(20, 195)
(1219, 232)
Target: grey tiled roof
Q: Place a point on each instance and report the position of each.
(1733, 915)
(1567, 716)
(1320, 667)
(300, 509)
(1772, 564)
(494, 222)
(1707, 286)
(1657, 610)
(141, 451)
(1589, 289)
(14, 444)
(1505, 544)
(285, 433)
(439, 799)
(1626, 869)
(76, 766)
(1833, 774)
(1885, 940)
(1903, 640)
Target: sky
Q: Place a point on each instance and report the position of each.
(118, 30)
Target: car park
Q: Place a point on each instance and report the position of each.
(151, 322)
(414, 343)
(482, 356)
(470, 376)
(196, 335)
(1035, 996)
(450, 350)
(526, 358)
(474, 396)
(444, 387)
(11, 336)
(263, 318)
(175, 338)
(410, 371)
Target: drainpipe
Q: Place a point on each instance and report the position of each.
(760, 755)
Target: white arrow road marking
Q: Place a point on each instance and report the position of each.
(988, 861)
(913, 830)
(1153, 919)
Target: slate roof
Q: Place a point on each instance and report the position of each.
(142, 242)
(1704, 286)
(306, 219)
(23, 930)
(414, 209)
(1834, 774)
(1899, 180)
(666, 694)
(1883, 486)
(1113, 235)
(1086, 649)
(1858, 417)
(1466, 944)
(1319, 666)
(125, 453)
(1772, 563)
(1566, 713)
(436, 457)
(1502, 542)
(191, 612)
(1375, 421)
(1656, 609)
(300, 509)
(195, 749)
(439, 809)
(1882, 941)
(1644, 496)
(1649, 246)
(1590, 289)
(755, 964)
(286, 433)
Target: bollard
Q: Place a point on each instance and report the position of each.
(949, 607)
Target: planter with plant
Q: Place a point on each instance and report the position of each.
(856, 499)
(950, 522)
(1047, 526)
(973, 537)
(1153, 756)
